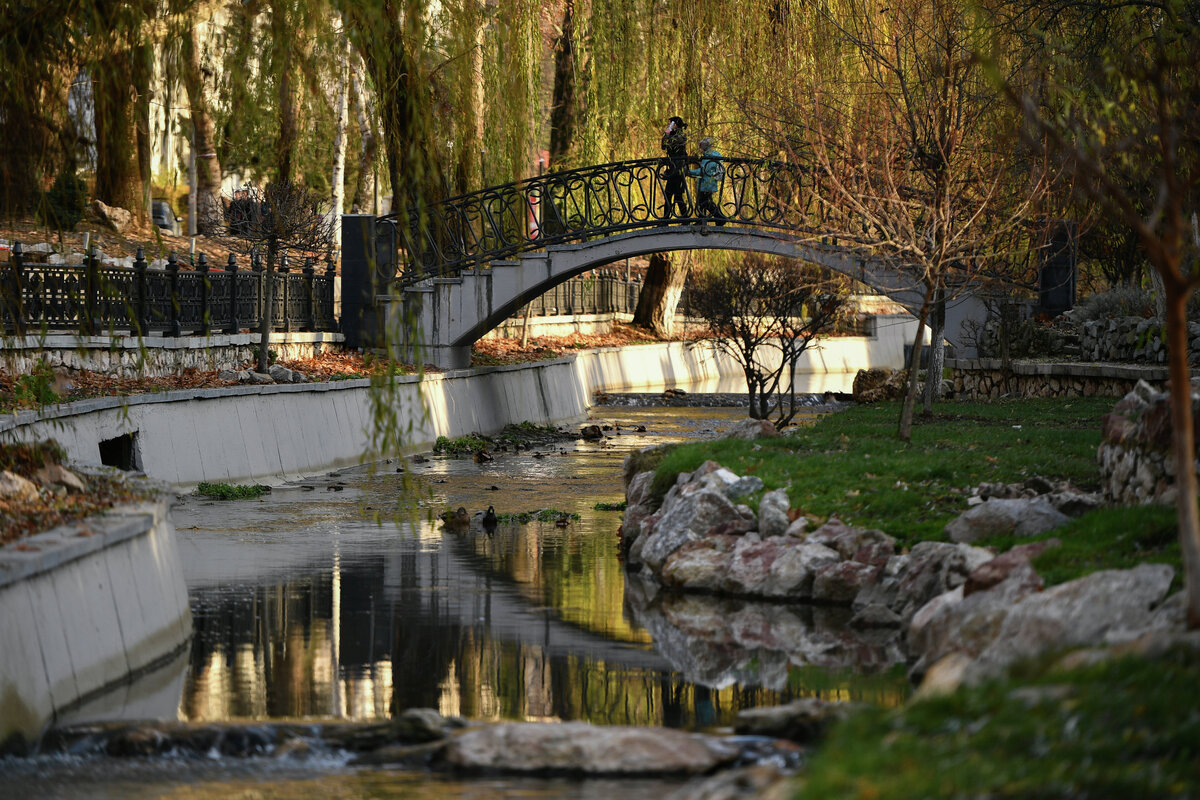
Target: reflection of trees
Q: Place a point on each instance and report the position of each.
(419, 629)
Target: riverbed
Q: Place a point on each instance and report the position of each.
(342, 597)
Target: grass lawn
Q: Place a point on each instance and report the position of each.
(1126, 728)
(851, 464)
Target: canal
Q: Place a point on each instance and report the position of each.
(342, 597)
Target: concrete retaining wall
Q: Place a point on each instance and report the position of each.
(283, 432)
(83, 608)
(154, 356)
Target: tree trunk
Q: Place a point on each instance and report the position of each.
(364, 185)
(563, 109)
(208, 166)
(289, 105)
(937, 356)
(1184, 450)
(118, 168)
(338, 179)
(660, 295)
(268, 296)
(910, 397)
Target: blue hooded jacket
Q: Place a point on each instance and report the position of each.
(710, 171)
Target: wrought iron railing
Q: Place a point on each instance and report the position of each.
(177, 300)
(601, 292)
(575, 205)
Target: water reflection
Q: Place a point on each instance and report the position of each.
(303, 606)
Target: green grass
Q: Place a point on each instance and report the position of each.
(609, 506)
(1126, 728)
(851, 463)
(540, 515)
(461, 445)
(1108, 538)
(230, 491)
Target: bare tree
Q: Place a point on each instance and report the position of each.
(765, 315)
(916, 176)
(282, 218)
(1151, 139)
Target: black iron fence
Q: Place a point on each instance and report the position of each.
(605, 291)
(176, 299)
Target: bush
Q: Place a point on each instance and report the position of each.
(1123, 301)
(36, 388)
(63, 206)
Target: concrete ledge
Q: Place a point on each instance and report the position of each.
(83, 608)
(283, 432)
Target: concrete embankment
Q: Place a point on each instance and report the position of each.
(84, 608)
(276, 433)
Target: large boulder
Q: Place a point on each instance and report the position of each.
(773, 514)
(577, 748)
(1013, 620)
(779, 567)
(116, 218)
(929, 569)
(1000, 517)
(803, 721)
(686, 517)
(15, 487)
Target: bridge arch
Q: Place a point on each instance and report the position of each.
(454, 312)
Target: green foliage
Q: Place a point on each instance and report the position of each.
(609, 506)
(36, 388)
(851, 464)
(1124, 728)
(27, 458)
(64, 205)
(540, 515)
(461, 445)
(272, 355)
(230, 491)
(1123, 301)
(1108, 538)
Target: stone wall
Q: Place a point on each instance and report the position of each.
(1135, 339)
(1136, 464)
(154, 356)
(83, 608)
(985, 378)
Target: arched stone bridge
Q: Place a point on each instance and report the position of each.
(472, 261)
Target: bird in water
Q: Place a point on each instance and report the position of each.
(456, 520)
(489, 521)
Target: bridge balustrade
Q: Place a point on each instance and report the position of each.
(589, 203)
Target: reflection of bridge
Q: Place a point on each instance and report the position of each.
(471, 261)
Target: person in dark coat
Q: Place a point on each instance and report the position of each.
(674, 143)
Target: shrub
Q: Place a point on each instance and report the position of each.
(229, 491)
(36, 388)
(1123, 301)
(63, 206)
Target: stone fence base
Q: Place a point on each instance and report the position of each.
(984, 378)
(154, 356)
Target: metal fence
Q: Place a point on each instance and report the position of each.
(176, 300)
(606, 291)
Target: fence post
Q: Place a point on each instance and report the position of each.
(283, 292)
(205, 294)
(231, 271)
(174, 329)
(91, 323)
(140, 324)
(310, 302)
(18, 289)
(257, 268)
(328, 322)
